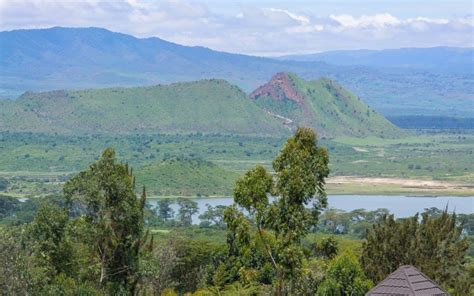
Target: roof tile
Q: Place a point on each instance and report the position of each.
(407, 281)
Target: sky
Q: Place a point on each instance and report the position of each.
(261, 27)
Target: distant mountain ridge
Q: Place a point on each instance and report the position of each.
(78, 58)
(448, 59)
(204, 106)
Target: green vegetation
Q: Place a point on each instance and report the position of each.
(300, 170)
(434, 244)
(324, 105)
(38, 164)
(206, 106)
(92, 239)
(100, 58)
(185, 177)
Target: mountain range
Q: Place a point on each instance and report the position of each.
(205, 106)
(440, 59)
(77, 58)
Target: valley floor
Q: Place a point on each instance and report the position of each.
(208, 165)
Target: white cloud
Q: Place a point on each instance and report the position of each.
(303, 20)
(247, 29)
(376, 21)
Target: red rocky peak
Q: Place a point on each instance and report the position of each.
(280, 88)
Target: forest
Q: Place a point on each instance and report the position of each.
(101, 236)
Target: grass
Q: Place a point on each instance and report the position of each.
(207, 106)
(38, 164)
(329, 108)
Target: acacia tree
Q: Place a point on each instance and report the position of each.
(298, 190)
(165, 212)
(187, 209)
(434, 245)
(114, 215)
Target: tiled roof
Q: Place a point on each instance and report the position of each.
(407, 280)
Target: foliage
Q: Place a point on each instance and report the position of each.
(115, 219)
(344, 277)
(434, 245)
(213, 216)
(327, 248)
(300, 170)
(50, 244)
(15, 268)
(165, 212)
(3, 184)
(186, 176)
(187, 209)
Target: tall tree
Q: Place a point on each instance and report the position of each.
(299, 195)
(165, 212)
(434, 245)
(50, 245)
(213, 216)
(115, 217)
(187, 209)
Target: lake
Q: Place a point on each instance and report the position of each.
(400, 206)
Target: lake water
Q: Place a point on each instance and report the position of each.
(400, 206)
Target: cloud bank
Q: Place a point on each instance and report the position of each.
(251, 30)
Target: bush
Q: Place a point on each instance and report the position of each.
(3, 184)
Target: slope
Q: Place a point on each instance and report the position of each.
(77, 58)
(322, 104)
(206, 106)
(184, 176)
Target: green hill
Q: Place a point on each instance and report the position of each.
(181, 176)
(322, 104)
(206, 106)
(394, 82)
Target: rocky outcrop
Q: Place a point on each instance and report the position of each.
(280, 87)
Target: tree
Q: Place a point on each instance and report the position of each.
(213, 216)
(51, 247)
(187, 209)
(115, 218)
(165, 212)
(8, 206)
(434, 245)
(3, 184)
(15, 266)
(300, 170)
(344, 276)
(328, 247)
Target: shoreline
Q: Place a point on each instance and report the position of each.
(351, 185)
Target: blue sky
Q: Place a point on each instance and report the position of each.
(263, 27)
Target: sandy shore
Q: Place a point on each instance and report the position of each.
(375, 185)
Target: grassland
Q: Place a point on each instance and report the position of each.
(323, 105)
(208, 106)
(200, 165)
